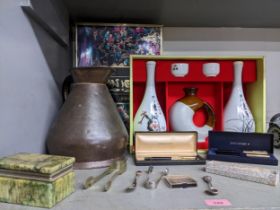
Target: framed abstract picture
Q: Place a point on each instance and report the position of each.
(110, 45)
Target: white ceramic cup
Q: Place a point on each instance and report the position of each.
(180, 69)
(211, 69)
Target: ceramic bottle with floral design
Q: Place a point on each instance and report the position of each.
(237, 115)
(149, 116)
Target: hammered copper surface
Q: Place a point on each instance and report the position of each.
(88, 127)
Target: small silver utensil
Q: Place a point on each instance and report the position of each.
(154, 184)
(93, 179)
(147, 181)
(211, 190)
(121, 168)
(133, 186)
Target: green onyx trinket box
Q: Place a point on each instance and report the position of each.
(36, 179)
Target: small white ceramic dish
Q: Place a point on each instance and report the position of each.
(180, 69)
(211, 69)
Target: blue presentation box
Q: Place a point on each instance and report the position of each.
(254, 148)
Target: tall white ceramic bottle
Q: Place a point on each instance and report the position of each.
(237, 115)
(149, 116)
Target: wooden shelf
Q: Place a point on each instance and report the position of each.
(180, 13)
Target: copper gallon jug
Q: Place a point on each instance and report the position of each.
(88, 126)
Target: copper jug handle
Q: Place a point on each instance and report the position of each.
(66, 87)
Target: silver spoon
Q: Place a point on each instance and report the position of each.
(211, 190)
(147, 181)
(133, 186)
(154, 184)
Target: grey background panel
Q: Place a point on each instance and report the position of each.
(47, 16)
(32, 68)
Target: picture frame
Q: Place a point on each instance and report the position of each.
(111, 44)
(119, 82)
(119, 87)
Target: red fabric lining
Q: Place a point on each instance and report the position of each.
(214, 90)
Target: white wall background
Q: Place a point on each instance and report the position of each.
(29, 95)
(232, 42)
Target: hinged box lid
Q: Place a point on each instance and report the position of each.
(35, 166)
(254, 148)
(236, 141)
(164, 147)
